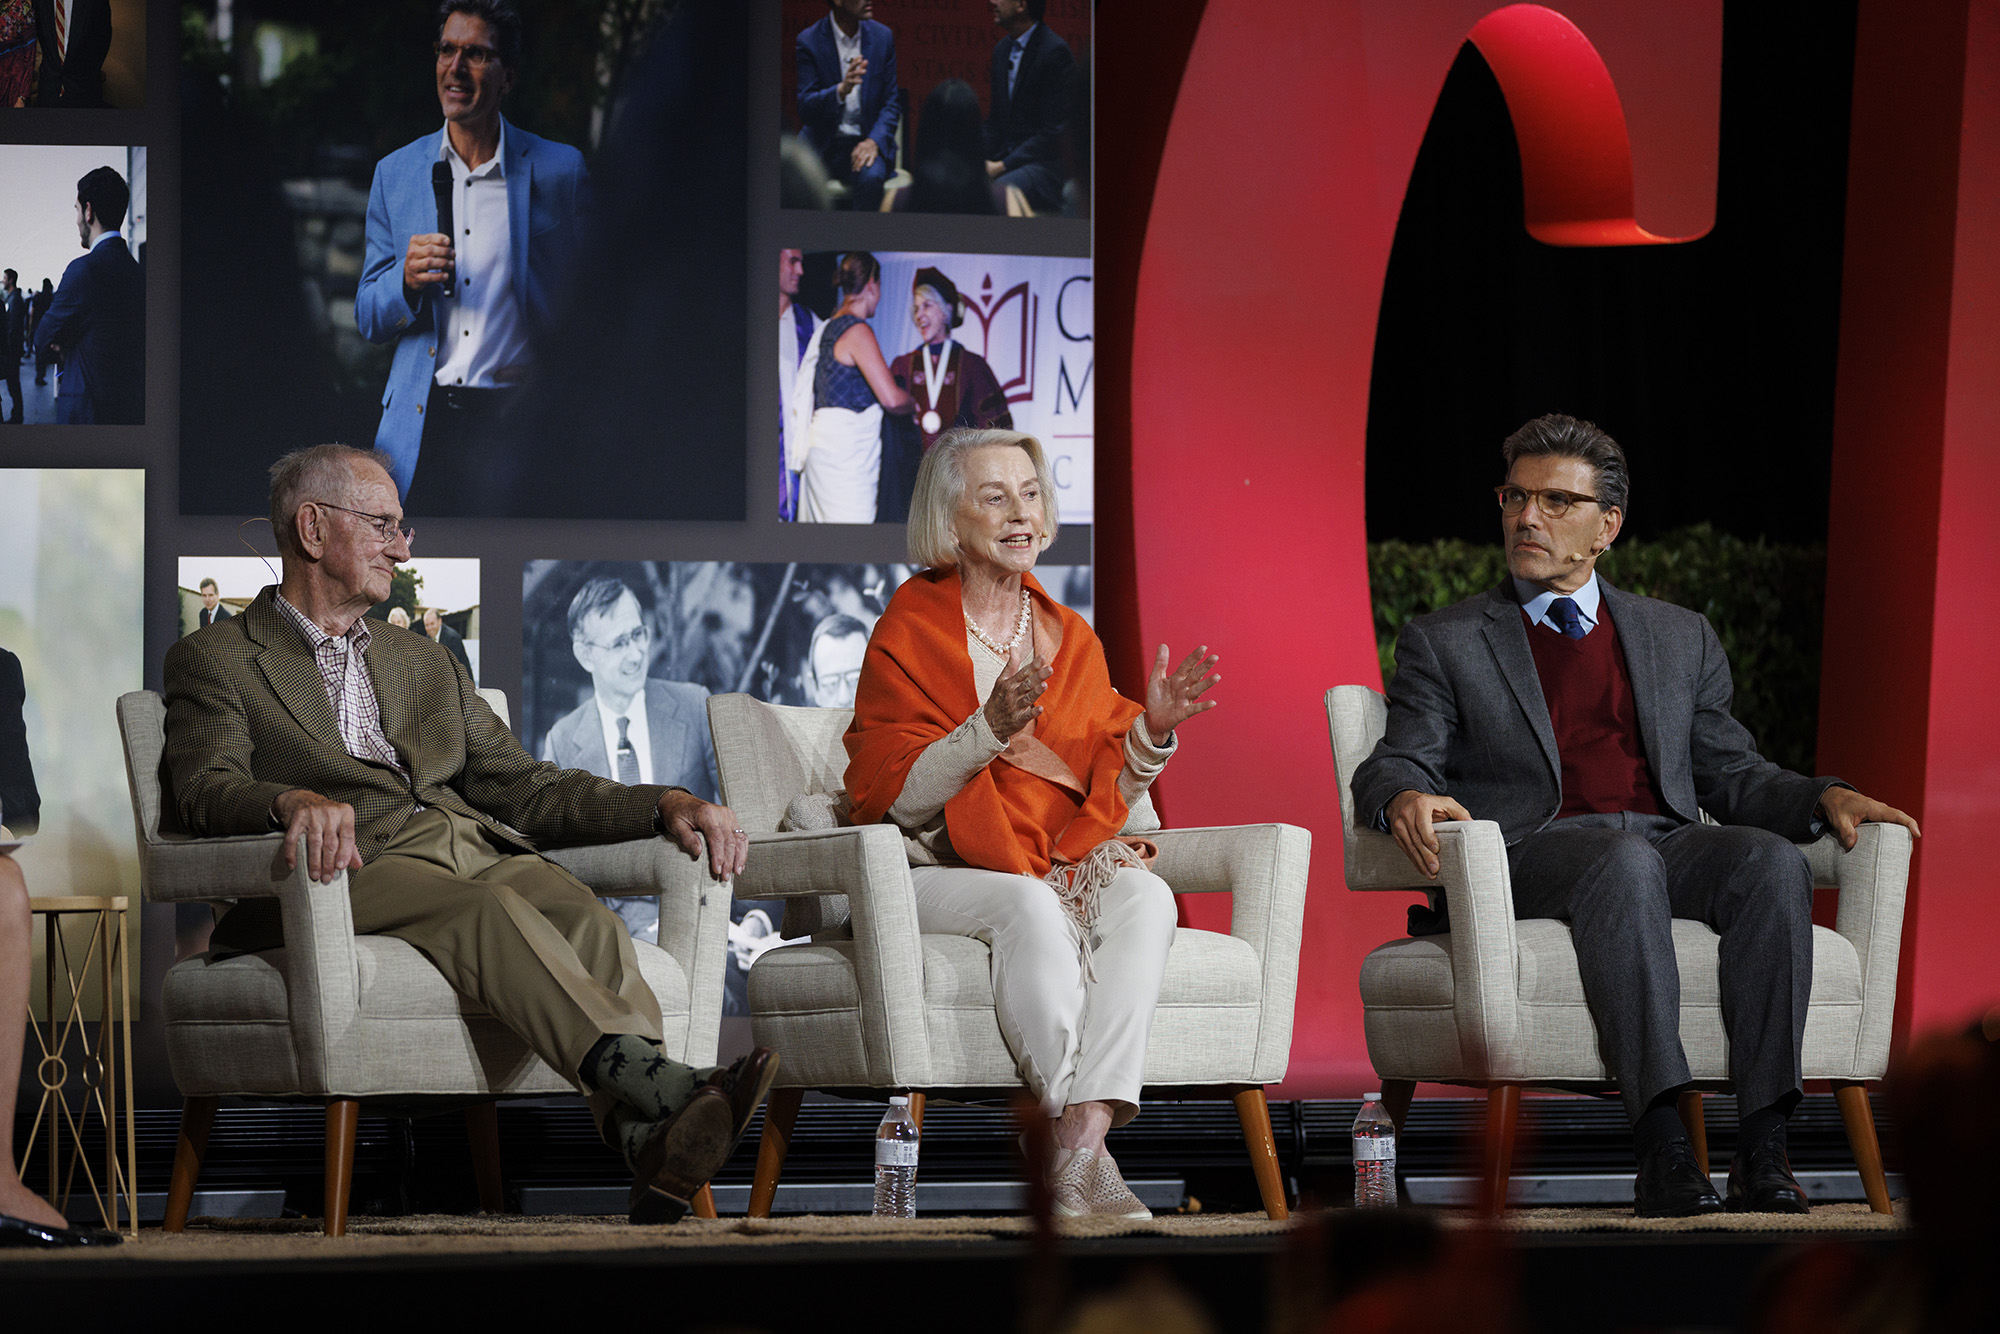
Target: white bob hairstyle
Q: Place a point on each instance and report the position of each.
(940, 490)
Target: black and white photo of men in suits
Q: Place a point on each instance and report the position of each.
(633, 728)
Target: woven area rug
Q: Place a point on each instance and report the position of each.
(1842, 1218)
(213, 1239)
(417, 1236)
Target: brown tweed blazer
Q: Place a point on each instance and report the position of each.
(248, 719)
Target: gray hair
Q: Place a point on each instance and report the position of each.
(1566, 437)
(941, 487)
(317, 472)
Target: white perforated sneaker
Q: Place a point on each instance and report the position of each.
(1087, 1184)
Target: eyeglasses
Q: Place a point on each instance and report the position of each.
(1554, 504)
(386, 525)
(475, 56)
(831, 681)
(637, 637)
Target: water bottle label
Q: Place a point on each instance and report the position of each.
(1369, 1150)
(895, 1153)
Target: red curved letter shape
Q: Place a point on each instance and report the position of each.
(1576, 159)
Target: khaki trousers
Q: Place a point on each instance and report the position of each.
(512, 932)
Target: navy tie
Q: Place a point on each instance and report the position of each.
(1567, 618)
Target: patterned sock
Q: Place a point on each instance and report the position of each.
(635, 1072)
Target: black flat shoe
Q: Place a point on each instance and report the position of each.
(1763, 1182)
(1671, 1184)
(20, 1232)
(677, 1160)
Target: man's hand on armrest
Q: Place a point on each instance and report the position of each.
(691, 822)
(1846, 810)
(1410, 814)
(329, 830)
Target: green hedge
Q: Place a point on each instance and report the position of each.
(1765, 600)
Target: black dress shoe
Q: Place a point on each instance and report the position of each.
(1762, 1182)
(680, 1156)
(1671, 1184)
(746, 1082)
(21, 1232)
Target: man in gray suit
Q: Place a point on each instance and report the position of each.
(633, 729)
(1593, 726)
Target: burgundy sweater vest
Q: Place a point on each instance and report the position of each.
(1589, 693)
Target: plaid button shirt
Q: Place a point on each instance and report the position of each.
(349, 688)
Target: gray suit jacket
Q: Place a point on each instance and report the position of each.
(1467, 720)
(677, 718)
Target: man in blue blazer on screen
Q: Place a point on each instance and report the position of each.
(847, 97)
(462, 310)
(97, 323)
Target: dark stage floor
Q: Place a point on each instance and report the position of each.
(972, 1274)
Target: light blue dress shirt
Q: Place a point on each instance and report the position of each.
(1535, 600)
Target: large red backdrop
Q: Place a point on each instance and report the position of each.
(1241, 255)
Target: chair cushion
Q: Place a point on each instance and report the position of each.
(1407, 993)
(229, 1028)
(804, 1000)
(1417, 971)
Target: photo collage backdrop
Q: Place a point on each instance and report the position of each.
(274, 163)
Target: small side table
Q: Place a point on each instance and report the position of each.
(71, 1055)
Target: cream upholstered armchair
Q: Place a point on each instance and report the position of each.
(337, 1018)
(872, 1005)
(1497, 1002)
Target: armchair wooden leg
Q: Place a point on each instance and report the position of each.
(781, 1109)
(197, 1115)
(1689, 1106)
(1859, 1118)
(1253, 1113)
(343, 1115)
(917, 1110)
(704, 1202)
(1396, 1096)
(1503, 1106)
(482, 1133)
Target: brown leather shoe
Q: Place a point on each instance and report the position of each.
(680, 1156)
(745, 1083)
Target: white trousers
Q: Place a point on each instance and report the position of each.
(1073, 1040)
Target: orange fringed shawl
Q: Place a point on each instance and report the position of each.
(1052, 796)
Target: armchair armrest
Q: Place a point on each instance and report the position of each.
(1263, 867)
(200, 870)
(867, 864)
(1873, 881)
(694, 918)
(1478, 895)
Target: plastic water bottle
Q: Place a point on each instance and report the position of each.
(896, 1162)
(1374, 1156)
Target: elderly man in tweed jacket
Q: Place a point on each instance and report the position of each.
(372, 749)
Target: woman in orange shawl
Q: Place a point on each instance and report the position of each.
(986, 727)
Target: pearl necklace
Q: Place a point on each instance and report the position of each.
(1001, 651)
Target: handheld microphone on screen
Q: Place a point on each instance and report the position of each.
(441, 187)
